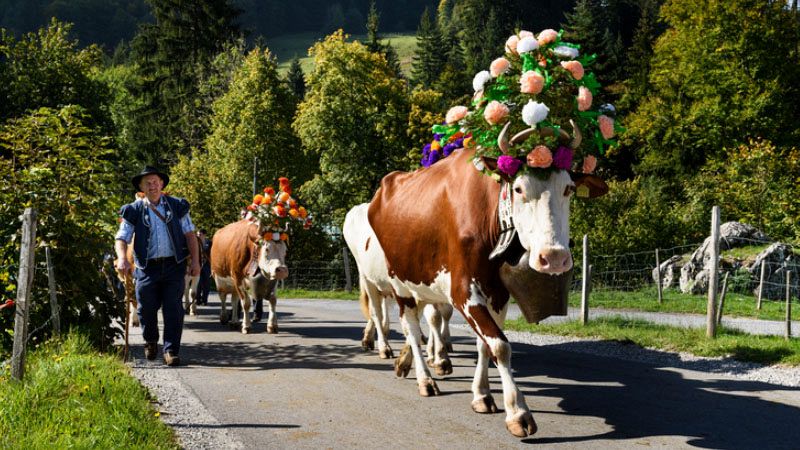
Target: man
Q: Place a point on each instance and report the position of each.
(164, 241)
(204, 283)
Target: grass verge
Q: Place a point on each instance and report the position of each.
(73, 397)
(766, 350)
(306, 293)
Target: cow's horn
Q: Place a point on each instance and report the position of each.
(576, 133)
(502, 140)
(521, 136)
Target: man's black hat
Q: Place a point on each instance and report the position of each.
(149, 170)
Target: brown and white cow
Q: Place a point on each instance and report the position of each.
(437, 227)
(190, 282)
(240, 252)
(377, 291)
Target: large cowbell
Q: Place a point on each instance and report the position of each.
(538, 295)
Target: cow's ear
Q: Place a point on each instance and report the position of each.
(588, 185)
(490, 164)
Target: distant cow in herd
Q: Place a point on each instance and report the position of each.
(239, 254)
(427, 239)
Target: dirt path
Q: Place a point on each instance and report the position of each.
(311, 386)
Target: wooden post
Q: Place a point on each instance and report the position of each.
(722, 298)
(658, 278)
(788, 334)
(713, 276)
(348, 282)
(761, 285)
(51, 284)
(585, 284)
(24, 284)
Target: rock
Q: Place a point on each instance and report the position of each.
(737, 234)
(669, 271)
(778, 258)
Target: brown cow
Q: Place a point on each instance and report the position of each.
(129, 282)
(240, 252)
(436, 229)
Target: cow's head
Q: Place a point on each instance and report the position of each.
(272, 259)
(540, 207)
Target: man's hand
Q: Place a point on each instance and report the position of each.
(123, 265)
(195, 268)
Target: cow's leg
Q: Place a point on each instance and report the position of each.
(386, 319)
(130, 296)
(246, 303)
(409, 316)
(519, 420)
(446, 311)
(376, 313)
(189, 290)
(235, 302)
(272, 320)
(223, 307)
(437, 353)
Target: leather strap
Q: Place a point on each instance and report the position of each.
(160, 216)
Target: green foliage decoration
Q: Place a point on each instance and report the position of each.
(52, 161)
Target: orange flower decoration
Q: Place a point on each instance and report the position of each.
(292, 203)
(284, 237)
(269, 191)
(258, 199)
(279, 211)
(284, 197)
(303, 213)
(267, 200)
(294, 213)
(285, 186)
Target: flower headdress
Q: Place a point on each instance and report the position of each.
(275, 211)
(540, 86)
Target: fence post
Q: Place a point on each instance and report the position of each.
(24, 284)
(788, 305)
(585, 287)
(713, 276)
(348, 282)
(658, 278)
(761, 284)
(51, 285)
(722, 298)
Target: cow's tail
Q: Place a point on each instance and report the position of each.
(363, 299)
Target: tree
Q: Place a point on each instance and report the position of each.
(354, 120)
(427, 109)
(170, 57)
(46, 69)
(374, 43)
(639, 55)
(296, 80)
(583, 25)
(431, 52)
(483, 27)
(50, 159)
(252, 120)
(719, 76)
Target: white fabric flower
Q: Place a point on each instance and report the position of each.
(480, 79)
(534, 112)
(564, 52)
(527, 44)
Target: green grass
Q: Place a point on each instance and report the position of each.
(72, 397)
(646, 299)
(307, 293)
(741, 346)
(290, 46)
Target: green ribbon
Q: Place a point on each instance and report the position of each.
(447, 131)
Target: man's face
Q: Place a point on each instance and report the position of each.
(151, 185)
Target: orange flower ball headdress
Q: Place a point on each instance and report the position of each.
(276, 210)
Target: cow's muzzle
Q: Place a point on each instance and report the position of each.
(552, 260)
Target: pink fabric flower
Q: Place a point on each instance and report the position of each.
(574, 67)
(524, 33)
(455, 114)
(508, 165)
(499, 66)
(606, 125)
(511, 44)
(531, 82)
(540, 157)
(547, 36)
(584, 98)
(563, 158)
(495, 112)
(589, 164)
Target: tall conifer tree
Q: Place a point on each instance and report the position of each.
(431, 53)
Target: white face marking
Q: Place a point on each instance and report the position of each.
(272, 257)
(541, 216)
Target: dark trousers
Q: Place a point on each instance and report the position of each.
(161, 286)
(203, 284)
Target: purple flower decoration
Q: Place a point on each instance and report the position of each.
(433, 157)
(437, 136)
(508, 165)
(447, 149)
(562, 159)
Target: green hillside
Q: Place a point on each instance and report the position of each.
(289, 46)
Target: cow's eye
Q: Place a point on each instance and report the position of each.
(569, 190)
(518, 190)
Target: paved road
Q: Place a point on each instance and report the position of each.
(311, 386)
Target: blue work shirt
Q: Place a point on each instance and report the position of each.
(159, 244)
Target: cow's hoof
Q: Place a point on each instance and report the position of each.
(368, 345)
(444, 368)
(430, 362)
(428, 388)
(449, 347)
(223, 320)
(484, 405)
(386, 353)
(522, 424)
(272, 329)
(245, 330)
